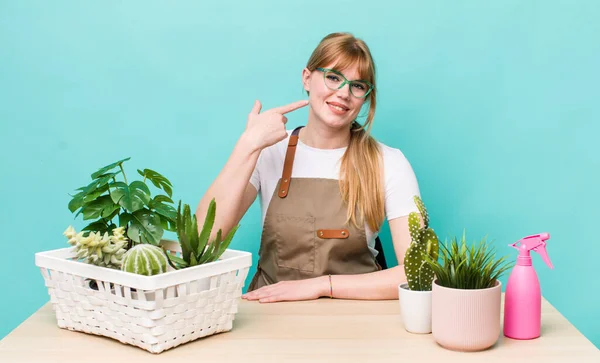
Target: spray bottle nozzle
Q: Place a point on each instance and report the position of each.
(537, 243)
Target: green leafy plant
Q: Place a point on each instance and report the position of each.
(144, 217)
(464, 267)
(195, 247)
(424, 241)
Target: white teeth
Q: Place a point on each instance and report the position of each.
(338, 108)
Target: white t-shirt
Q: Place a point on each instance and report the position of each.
(400, 181)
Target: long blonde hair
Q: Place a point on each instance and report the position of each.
(360, 171)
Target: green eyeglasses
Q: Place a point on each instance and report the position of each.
(335, 80)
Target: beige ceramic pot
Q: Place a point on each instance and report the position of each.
(466, 320)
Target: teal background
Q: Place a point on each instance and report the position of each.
(495, 104)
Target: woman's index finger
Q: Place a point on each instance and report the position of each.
(291, 107)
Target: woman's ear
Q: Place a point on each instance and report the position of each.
(306, 79)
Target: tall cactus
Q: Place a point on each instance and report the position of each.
(423, 240)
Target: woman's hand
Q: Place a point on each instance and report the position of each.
(267, 128)
(308, 289)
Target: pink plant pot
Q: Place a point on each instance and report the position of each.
(466, 320)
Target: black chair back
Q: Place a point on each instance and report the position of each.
(380, 256)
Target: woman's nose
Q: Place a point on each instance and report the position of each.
(344, 92)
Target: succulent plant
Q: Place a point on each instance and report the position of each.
(424, 241)
(145, 259)
(195, 247)
(99, 249)
(464, 267)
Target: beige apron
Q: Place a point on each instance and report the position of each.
(305, 234)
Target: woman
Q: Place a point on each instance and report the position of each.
(313, 244)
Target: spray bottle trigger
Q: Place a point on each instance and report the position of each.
(541, 249)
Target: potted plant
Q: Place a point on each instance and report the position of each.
(146, 291)
(415, 294)
(466, 295)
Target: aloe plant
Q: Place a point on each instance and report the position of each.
(195, 246)
(464, 267)
(424, 241)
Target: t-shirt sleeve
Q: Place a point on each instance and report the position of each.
(400, 185)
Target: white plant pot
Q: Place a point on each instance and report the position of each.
(415, 309)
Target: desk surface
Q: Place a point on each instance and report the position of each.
(321, 330)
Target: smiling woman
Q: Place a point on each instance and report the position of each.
(326, 188)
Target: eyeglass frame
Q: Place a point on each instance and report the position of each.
(325, 70)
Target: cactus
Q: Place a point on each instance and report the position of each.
(145, 259)
(195, 248)
(97, 249)
(423, 241)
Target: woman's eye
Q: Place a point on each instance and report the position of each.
(333, 78)
(359, 86)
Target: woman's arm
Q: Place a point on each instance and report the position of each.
(379, 285)
(232, 190)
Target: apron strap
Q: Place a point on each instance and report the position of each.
(286, 177)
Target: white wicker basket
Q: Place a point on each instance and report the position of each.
(154, 313)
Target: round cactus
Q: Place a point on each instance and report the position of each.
(145, 259)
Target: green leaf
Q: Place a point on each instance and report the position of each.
(167, 224)
(164, 210)
(100, 189)
(96, 208)
(90, 192)
(182, 221)
(113, 214)
(145, 226)
(210, 250)
(76, 202)
(109, 175)
(194, 238)
(209, 222)
(179, 262)
(98, 226)
(158, 180)
(124, 219)
(110, 211)
(132, 197)
(163, 198)
(226, 242)
(103, 170)
(193, 261)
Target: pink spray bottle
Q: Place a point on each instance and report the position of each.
(523, 297)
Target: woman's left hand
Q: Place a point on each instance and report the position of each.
(308, 289)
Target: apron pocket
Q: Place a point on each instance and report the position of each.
(295, 242)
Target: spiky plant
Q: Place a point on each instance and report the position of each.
(424, 241)
(464, 267)
(195, 247)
